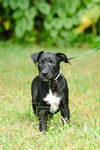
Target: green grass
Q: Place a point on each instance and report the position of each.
(19, 127)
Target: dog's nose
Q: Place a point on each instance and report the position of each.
(45, 74)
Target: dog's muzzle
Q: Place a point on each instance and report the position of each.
(46, 75)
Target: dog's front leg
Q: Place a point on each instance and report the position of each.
(42, 120)
(65, 113)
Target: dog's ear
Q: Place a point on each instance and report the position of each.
(62, 57)
(35, 56)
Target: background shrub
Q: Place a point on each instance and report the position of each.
(54, 22)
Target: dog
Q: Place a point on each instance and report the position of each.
(49, 89)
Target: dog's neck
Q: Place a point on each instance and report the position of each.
(57, 76)
(52, 82)
(55, 80)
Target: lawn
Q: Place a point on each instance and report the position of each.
(18, 125)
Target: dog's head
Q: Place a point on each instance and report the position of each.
(48, 64)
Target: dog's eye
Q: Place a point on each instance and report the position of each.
(41, 62)
(52, 63)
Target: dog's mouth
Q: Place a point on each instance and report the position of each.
(46, 77)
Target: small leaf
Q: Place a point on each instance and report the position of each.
(47, 25)
(61, 13)
(30, 24)
(63, 33)
(44, 8)
(72, 6)
(21, 27)
(48, 22)
(14, 4)
(18, 13)
(31, 12)
(53, 33)
(75, 20)
(57, 23)
(24, 4)
(6, 24)
(68, 23)
(30, 37)
(68, 35)
(5, 3)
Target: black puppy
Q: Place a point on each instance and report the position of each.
(49, 89)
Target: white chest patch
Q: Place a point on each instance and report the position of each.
(53, 100)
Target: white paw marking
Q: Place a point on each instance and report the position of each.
(64, 119)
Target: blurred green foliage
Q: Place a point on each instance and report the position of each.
(59, 22)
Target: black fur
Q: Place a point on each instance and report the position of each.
(49, 68)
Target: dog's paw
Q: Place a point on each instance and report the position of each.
(65, 120)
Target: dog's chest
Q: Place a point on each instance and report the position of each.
(53, 100)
